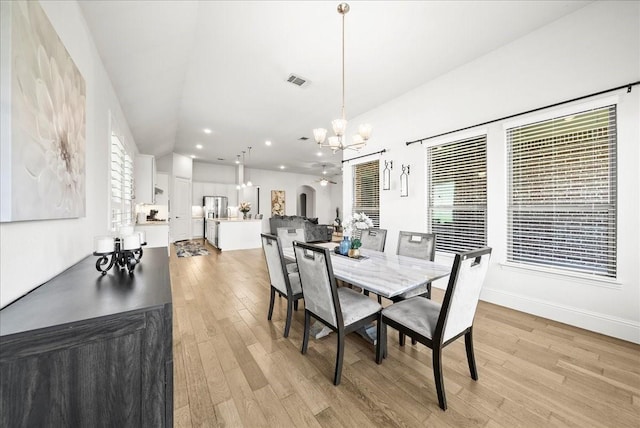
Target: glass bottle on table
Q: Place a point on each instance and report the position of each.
(345, 245)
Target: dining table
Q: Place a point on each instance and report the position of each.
(384, 274)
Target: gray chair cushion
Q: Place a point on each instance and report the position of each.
(418, 314)
(294, 280)
(292, 267)
(355, 306)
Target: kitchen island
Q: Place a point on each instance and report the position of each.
(234, 234)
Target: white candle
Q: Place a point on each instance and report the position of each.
(143, 239)
(131, 242)
(103, 244)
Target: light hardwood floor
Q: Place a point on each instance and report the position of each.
(233, 368)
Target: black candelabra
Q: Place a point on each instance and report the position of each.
(119, 257)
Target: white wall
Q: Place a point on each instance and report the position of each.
(203, 171)
(595, 48)
(33, 252)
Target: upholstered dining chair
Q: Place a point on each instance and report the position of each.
(286, 284)
(420, 246)
(287, 236)
(373, 239)
(341, 309)
(437, 325)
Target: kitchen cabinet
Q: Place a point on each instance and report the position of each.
(197, 228)
(89, 350)
(156, 233)
(162, 189)
(145, 179)
(198, 193)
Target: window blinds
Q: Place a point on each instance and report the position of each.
(562, 193)
(366, 190)
(121, 184)
(457, 203)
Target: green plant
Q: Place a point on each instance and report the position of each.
(355, 244)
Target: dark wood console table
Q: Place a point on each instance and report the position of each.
(87, 350)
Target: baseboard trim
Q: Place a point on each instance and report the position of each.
(593, 321)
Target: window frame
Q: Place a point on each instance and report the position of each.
(453, 139)
(375, 219)
(548, 115)
(127, 204)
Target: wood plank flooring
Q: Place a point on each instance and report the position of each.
(233, 368)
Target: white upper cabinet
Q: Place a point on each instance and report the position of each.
(145, 179)
(162, 188)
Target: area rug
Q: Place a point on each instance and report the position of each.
(190, 249)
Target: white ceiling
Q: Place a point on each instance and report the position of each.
(181, 66)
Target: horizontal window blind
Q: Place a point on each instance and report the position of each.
(457, 202)
(562, 193)
(121, 176)
(366, 190)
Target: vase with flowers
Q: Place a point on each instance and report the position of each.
(353, 226)
(244, 208)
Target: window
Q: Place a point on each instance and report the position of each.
(121, 184)
(562, 193)
(366, 190)
(457, 202)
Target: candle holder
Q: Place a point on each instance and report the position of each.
(119, 257)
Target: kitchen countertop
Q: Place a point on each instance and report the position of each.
(153, 223)
(234, 220)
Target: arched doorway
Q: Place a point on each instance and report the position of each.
(306, 201)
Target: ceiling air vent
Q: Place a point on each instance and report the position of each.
(297, 80)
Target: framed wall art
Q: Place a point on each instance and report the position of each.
(277, 202)
(43, 120)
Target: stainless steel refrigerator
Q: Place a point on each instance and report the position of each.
(215, 206)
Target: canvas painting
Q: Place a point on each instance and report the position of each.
(43, 136)
(277, 202)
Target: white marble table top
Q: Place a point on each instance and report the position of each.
(385, 274)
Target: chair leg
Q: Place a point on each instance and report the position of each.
(287, 324)
(401, 338)
(366, 292)
(305, 338)
(295, 305)
(339, 357)
(468, 343)
(413, 341)
(437, 375)
(273, 298)
(379, 299)
(381, 344)
(428, 290)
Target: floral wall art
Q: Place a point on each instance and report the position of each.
(43, 121)
(277, 202)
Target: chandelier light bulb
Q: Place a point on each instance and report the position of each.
(365, 131)
(339, 126)
(319, 134)
(324, 182)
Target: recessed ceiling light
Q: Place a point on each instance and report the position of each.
(207, 131)
(198, 146)
(319, 154)
(281, 166)
(193, 156)
(268, 143)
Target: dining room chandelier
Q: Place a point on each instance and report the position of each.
(337, 141)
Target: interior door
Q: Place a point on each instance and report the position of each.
(181, 209)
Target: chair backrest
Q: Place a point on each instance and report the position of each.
(374, 239)
(463, 292)
(418, 245)
(318, 283)
(278, 276)
(287, 235)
